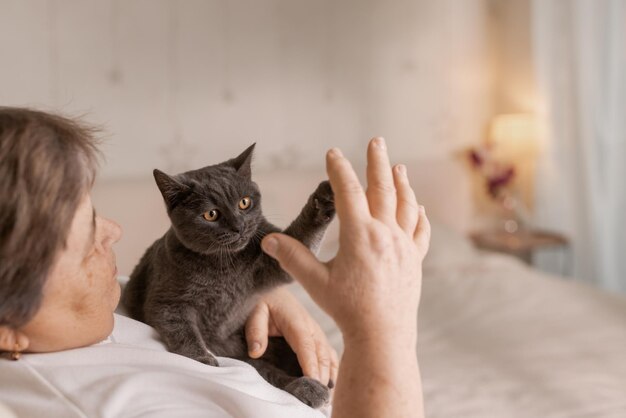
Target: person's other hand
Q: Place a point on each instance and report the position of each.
(280, 314)
(372, 287)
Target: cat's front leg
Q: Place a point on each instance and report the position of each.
(314, 218)
(308, 228)
(178, 327)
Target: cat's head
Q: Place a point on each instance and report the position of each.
(216, 208)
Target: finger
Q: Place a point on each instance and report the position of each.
(350, 200)
(299, 262)
(381, 192)
(296, 329)
(323, 359)
(422, 231)
(407, 210)
(304, 346)
(257, 327)
(334, 368)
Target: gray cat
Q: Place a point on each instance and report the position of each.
(198, 283)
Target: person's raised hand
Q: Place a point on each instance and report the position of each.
(373, 285)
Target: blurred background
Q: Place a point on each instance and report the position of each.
(509, 113)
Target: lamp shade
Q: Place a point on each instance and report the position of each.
(516, 135)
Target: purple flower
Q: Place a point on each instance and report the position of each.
(476, 158)
(500, 180)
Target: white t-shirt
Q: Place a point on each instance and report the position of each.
(131, 374)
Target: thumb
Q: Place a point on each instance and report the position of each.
(421, 237)
(297, 260)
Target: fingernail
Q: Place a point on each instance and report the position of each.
(402, 169)
(256, 346)
(379, 142)
(422, 209)
(335, 153)
(270, 245)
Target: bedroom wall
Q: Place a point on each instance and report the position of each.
(515, 84)
(182, 84)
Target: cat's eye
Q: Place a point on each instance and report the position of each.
(211, 215)
(245, 203)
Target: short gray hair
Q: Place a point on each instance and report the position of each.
(47, 163)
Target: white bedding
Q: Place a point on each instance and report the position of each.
(497, 339)
(132, 375)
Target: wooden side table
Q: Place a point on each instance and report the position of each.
(521, 244)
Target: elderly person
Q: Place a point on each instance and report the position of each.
(59, 291)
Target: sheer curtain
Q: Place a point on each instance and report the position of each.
(580, 55)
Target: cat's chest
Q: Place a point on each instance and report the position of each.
(225, 301)
(222, 284)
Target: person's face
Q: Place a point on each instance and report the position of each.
(81, 291)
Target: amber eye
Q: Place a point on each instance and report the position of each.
(211, 215)
(245, 203)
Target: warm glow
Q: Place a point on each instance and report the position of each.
(516, 135)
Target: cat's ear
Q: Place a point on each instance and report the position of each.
(172, 190)
(243, 161)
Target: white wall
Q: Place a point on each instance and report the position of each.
(181, 84)
(515, 83)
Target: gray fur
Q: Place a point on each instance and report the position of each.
(198, 283)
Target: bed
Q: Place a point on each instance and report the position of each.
(500, 339)
(496, 338)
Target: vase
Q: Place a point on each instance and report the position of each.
(514, 217)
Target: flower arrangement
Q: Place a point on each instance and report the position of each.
(497, 175)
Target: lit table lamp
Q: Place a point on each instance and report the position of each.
(516, 139)
(515, 136)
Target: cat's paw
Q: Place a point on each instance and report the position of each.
(309, 391)
(324, 202)
(208, 359)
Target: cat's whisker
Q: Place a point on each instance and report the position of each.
(221, 251)
(259, 235)
(228, 252)
(231, 260)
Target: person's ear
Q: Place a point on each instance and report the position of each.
(12, 339)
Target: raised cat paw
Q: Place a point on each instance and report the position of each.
(324, 202)
(309, 391)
